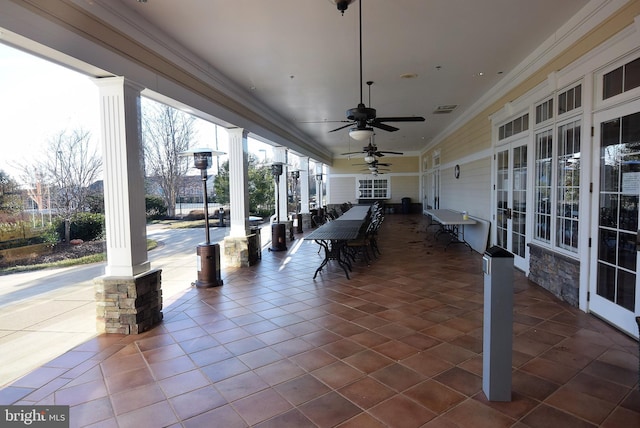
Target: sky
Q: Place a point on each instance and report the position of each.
(39, 99)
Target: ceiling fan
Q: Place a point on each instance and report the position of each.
(371, 152)
(363, 117)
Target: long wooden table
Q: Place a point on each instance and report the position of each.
(451, 222)
(333, 236)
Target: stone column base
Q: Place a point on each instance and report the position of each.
(236, 251)
(128, 305)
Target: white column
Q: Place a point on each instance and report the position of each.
(280, 155)
(238, 182)
(303, 183)
(123, 177)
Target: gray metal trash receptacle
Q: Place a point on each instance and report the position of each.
(255, 244)
(497, 342)
(406, 205)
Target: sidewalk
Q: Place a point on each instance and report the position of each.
(43, 314)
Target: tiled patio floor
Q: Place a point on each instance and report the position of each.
(400, 344)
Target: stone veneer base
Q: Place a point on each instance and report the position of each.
(128, 305)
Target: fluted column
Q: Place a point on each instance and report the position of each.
(123, 177)
(303, 182)
(238, 182)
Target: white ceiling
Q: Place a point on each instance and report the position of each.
(300, 57)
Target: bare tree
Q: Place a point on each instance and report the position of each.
(70, 165)
(166, 133)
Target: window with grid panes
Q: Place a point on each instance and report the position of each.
(542, 185)
(568, 186)
(372, 187)
(621, 79)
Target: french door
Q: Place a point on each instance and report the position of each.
(511, 201)
(614, 293)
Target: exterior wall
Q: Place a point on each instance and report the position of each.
(404, 177)
(341, 189)
(471, 192)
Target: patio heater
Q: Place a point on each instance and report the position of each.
(278, 230)
(208, 254)
(295, 176)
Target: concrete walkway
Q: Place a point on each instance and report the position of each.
(45, 313)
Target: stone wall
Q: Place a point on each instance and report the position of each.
(128, 305)
(555, 272)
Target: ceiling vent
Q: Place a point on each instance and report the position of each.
(444, 109)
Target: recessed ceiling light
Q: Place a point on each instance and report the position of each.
(408, 76)
(479, 74)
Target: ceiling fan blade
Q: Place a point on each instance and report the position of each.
(352, 153)
(342, 127)
(389, 128)
(324, 121)
(391, 153)
(400, 119)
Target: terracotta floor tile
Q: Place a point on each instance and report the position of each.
(158, 414)
(183, 382)
(329, 410)
(402, 412)
(622, 417)
(343, 348)
(519, 405)
(580, 404)
(291, 419)
(196, 402)
(74, 395)
(224, 416)
(224, 369)
(302, 389)
(129, 380)
(278, 372)
(461, 381)
(434, 396)
(241, 386)
(472, 413)
(427, 365)
(313, 359)
(132, 399)
(532, 386)
(362, 420)
(92, 412)
(397, 377)
(366, 392)
(368, 361)
(172, 367)
(261, 406)
(545, 416)
(337, 374)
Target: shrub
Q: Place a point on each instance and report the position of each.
(85, 226)
(155, 207)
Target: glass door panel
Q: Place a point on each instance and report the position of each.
(614, 285)
(511, 202)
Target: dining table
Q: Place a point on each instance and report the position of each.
(452, 223)
(334, 235)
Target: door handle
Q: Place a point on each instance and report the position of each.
(509, 213)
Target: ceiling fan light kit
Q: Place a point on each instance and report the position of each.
(364, 118)
(361, 134)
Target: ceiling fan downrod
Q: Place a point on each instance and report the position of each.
(342, 4)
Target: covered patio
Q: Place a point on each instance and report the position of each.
(399, 344)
